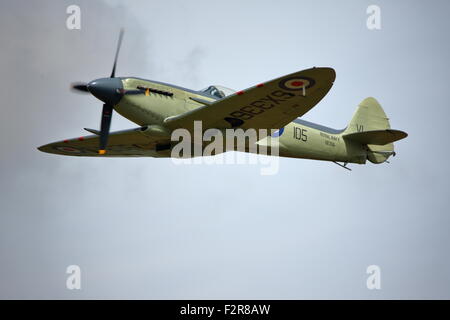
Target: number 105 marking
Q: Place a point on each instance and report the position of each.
(300, 134)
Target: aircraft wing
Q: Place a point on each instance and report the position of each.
(269, 105)
(138, 142)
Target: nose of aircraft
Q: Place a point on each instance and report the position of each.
(106, 90)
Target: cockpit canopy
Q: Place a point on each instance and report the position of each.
(218, 91)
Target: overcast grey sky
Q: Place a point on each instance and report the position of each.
(146, 228)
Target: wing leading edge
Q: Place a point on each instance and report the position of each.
(269, 105)
(138, 142)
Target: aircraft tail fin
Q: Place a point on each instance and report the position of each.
(370, 126)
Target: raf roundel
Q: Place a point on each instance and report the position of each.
(296, 83)
(278, 133)
(68, 149)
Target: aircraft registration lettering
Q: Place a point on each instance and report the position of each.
(261, 105)
(329, 137)
(330, 143)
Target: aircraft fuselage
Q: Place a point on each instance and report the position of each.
(298, 139)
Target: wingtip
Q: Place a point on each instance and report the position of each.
(329, 71)
(42, 148)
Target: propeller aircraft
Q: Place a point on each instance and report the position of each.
(159, 108)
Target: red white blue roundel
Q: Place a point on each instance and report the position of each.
(278, 133)
(296, 83)
(68, 149)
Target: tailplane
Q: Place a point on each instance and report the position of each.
(370, 126)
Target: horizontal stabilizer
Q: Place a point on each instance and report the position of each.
(376, 137)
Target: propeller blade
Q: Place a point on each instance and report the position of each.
(113, 73)
(104, 127)
(80, 87)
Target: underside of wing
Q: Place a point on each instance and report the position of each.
(138, 142)
(268, 105)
